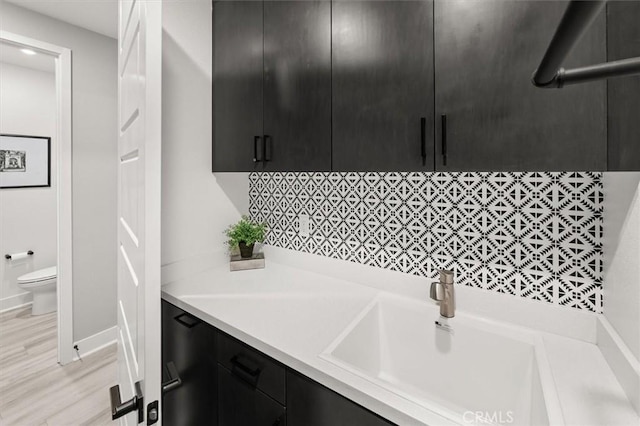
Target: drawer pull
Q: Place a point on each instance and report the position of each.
(187, 320)
(245, 371)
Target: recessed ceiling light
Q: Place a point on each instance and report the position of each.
(28, 51)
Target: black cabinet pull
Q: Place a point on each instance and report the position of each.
(256, 141)
(267, 147)
(423, 139)
(443, 119)
(248, 373)
(174, 381)
(187, 320)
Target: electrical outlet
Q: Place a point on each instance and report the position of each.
(303, 225)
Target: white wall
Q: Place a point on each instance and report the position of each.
(27, 215)
(622, 256)
(94, 68)
(195, 207)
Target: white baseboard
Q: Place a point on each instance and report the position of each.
(17, 301)
(624, 365)
(94, 343)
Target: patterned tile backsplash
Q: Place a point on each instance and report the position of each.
(533, 235)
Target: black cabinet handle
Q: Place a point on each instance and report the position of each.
(278, 421)
(248, 373)
(443, 119)
(187, 320)
(256, 141)
(267, 147)
(423, 139)
(174, 381)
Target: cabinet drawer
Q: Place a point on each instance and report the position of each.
(311, 404)
(252, 367)
(242, 405)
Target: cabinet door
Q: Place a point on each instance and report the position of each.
(382, 87)
(240, 404)
(623, 40)
(237, 85)
(485, 54)
(189, 343)
(311, 404)
(297, 85)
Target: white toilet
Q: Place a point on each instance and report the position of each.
(42, 283)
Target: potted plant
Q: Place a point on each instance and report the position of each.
(244, 235)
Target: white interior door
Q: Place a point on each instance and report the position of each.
(139, 158)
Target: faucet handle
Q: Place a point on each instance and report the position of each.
(437, 291)
(446, 276)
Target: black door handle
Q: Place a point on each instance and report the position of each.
(119, 408)
(174, 381)
(256, 141)
(443, 140)
(423, 139)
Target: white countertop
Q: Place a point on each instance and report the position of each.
(293, 314)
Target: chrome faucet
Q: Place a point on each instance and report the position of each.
(442, 292)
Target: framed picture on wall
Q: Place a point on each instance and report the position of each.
(25, 161)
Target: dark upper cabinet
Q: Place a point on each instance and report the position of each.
(237, 85)
(297, 85)
(311, 404)
(485, 54)
(190, 344)
(271, 85)
(382, 85)
(416, 86)
(623, 40)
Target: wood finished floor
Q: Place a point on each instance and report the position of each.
(35, 390)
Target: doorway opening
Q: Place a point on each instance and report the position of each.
(63, 179)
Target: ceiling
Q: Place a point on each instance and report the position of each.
(11, 54)
(100, 16)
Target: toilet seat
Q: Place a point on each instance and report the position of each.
(38, 276)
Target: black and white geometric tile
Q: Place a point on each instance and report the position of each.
(533, 235)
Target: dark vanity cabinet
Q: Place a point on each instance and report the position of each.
(271, 85)
(228, 383)
(488, 114)
(623, 41)
(311, 404)
(382, 85)
(189, 344)
(251, 386)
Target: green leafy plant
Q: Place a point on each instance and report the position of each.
(246, 231)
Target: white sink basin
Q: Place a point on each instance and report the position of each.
(482, 373)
